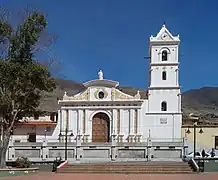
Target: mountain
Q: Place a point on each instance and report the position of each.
(202, 102)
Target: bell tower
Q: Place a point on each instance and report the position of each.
(164, 97)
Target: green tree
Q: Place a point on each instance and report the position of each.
(22, 79)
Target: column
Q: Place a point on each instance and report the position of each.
(67, 121)
(60, 120)
(135, 121)
(118, 121)
(177, 79)
(70, 120)
(138, 121)
(114, 124)
(131, 122)
(79, 121)
(63, 120)
(84, 121)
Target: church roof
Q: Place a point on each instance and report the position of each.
(101, 82)
(116, 93)
(165, 36)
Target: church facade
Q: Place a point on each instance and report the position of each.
(102, 111)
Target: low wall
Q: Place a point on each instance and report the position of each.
(49, 151)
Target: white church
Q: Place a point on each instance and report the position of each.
(102, 111)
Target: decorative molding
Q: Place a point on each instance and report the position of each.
(122, 96)
(164, 64)
(100, 90)
(157, 88)
(82, 96)
(113, 94)
(199, 126)
(163, 113)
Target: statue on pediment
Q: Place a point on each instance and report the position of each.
(100, 75)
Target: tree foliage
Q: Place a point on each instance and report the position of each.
(22, 78)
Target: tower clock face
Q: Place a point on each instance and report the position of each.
(164, 36)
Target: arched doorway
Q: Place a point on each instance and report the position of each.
(100, 127)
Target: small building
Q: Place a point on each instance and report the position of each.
(206, 136)
(36, 128)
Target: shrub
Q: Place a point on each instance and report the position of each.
(22, 162)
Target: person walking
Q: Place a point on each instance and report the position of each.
(203, 153)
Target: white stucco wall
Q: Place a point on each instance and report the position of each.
(21, 133)
(156, 51)
(170, 96)
(162, 127)
(171, 76)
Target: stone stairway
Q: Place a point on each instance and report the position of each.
(130, 168)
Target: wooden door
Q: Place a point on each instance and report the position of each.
(100, 128)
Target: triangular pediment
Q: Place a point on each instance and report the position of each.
(164, 35)
(115, 95)
(80, 96)
(119, 95)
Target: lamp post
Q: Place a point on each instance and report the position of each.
(66, 142)
(195, 123)
(195, 119)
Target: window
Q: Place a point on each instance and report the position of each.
(164, 55)
(36, 116)
(101, 95)
(164, 106)
(32, 137)
(52, 117)
(164, 75)
(216, 142)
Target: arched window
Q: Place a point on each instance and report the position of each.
(164, 55)
(164, 75)
(163, 106)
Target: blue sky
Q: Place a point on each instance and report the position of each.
(112, 35)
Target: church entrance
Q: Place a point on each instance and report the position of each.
(100, 128)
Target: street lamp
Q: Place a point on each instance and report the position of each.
(66, 142)
(195, 119)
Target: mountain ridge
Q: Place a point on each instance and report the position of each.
(202, 102)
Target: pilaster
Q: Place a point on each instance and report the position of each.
(114, 124)
(131, 122)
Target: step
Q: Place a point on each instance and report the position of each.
(132, 172)
(72, 166)
(108, 167)
(126, 168)
(143, 169)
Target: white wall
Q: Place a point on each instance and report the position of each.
(171, 76)
(171, 96)
(21, 133)
(161, 126)
(156, 56)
